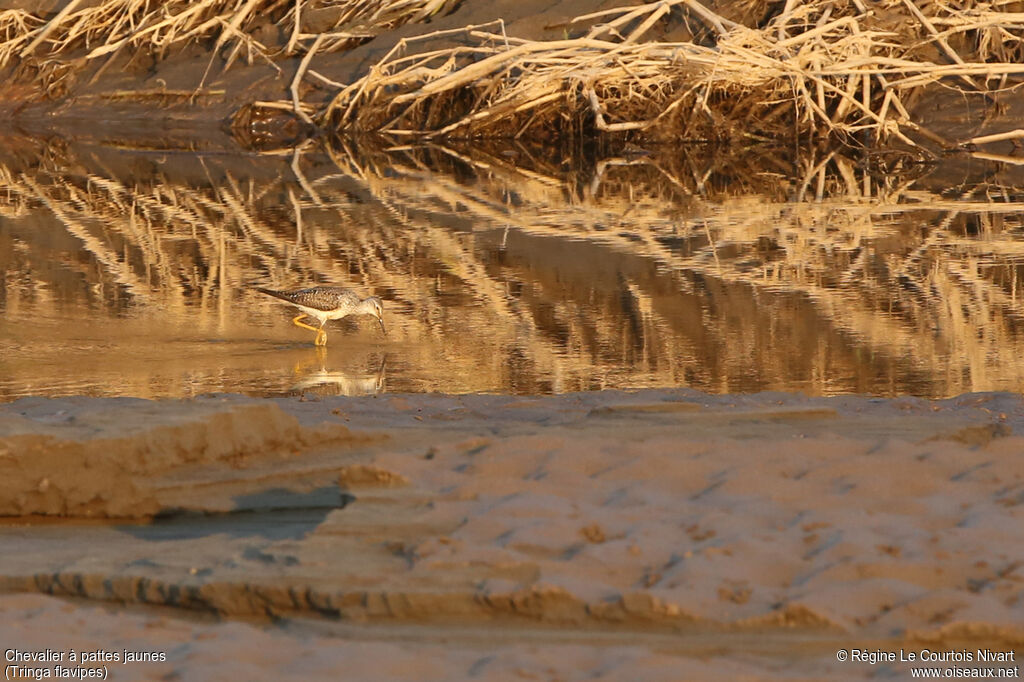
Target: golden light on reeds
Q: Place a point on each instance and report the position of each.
(81, 36)
(815, 71)
(812, 72)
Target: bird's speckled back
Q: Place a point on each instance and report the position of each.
(321, 298)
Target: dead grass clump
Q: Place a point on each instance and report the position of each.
(81, 33)
(816, 70)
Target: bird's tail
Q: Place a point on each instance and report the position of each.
(270, 292)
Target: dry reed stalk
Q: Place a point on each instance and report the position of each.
(997, 137)
(299, 73)
(50, 27)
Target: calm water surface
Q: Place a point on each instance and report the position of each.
(130, 273)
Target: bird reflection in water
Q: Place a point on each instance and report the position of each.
(326, 382)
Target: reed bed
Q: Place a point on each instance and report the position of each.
(811, 73)
(83, 34)
(837, 70)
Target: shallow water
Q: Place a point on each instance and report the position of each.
(129, 272)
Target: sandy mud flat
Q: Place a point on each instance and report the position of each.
(652, 535)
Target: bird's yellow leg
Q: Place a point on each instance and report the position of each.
(321, 335)
(303, 324)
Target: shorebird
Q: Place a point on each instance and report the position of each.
(328, 303)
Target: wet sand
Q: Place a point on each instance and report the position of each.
(651, 535)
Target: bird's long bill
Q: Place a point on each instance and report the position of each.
(381, 320)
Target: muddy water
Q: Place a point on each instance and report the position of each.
(128, 272)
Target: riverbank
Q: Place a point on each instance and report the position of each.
(844, 77)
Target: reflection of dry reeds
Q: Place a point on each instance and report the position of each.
(908, 273)
(643, 270)
(816, 70)
(192, 251)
